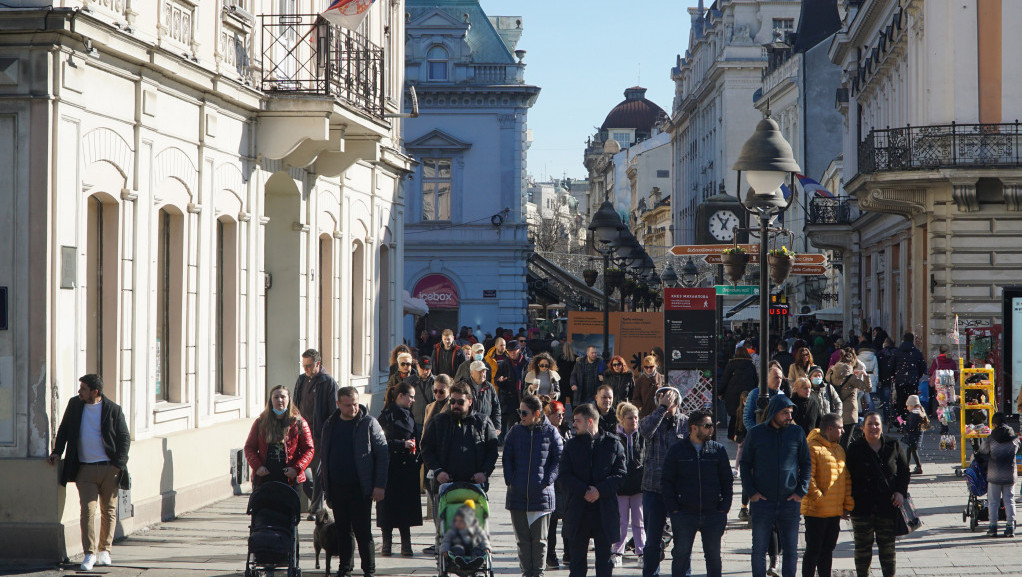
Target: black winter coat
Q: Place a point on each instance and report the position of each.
(632, 484)
(372, 458)
(592, 462)
(401, 507)
(446, 361)
(807, 412)
(623, 385)
(739, 376)
(485, 402)
(875, 476)
(113, 428)
(697, 482)
(323, 388)
(909, 365)
(461, 448)
(423, 396)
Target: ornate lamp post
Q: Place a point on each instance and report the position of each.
(670, 277)
(606, 227)
(767, 161)
(689, 274)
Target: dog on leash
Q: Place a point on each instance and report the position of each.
(324, 538)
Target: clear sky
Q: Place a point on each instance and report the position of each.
(583, 54)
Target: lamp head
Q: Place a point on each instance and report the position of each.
(766, 159)
(670, 277)
(606, 224)
(689, 273)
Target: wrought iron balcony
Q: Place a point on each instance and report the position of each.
(941, 146)
(305, 54)
(840, 210)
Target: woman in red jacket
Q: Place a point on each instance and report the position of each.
(279, 446)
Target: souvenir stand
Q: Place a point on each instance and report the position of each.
(947, 407)
(977, 406)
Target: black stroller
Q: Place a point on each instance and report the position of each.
(273, 534)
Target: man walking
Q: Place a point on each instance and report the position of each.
(484, 397)
(909, 367)
(315, 395)
(586, 377)
(508, 380)
(662, 429)
(532, 452)
(460, 444)
(592, 469)
(96, 437)
(355, 462)
(446, 356)
(829, 498)
(775, 471)
(697, 490)
(422, 381)
(605, 407)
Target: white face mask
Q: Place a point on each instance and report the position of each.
(817, 381)
(478, 356)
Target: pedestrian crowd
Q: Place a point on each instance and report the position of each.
(585, 443)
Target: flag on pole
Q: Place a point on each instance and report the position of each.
(347, 13)
(811, 186)
(785, 191)
(955, 336)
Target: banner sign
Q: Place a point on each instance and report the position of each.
(438, 291)
(689, 327)
(632, 334)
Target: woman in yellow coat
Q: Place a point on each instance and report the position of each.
(829, 498)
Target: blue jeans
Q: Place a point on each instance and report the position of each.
(785, 515)
(654, 515)
(711, 527)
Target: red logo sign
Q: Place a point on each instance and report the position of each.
(438, 291)
(690, 299)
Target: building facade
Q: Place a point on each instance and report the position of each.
(552, 213)
(465, 228)
(931, 155)
(191, 203)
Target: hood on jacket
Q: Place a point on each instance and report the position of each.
(777, 403)
(1003, 434)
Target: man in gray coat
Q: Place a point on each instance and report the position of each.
(355, 460)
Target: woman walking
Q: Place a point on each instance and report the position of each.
(916, 422)
(880, 478)
(402, 508)
(739, 377)
(629, 495)
(800, 368)
(554, 412)
(849, 378)
(542, 378)
(620, 380)
(647, 385)
(279, 446)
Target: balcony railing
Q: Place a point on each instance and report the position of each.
(305, 54)
(941, 146)
(840, 210)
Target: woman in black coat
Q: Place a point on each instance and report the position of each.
(739, 376)
(401, 509)
(620, 379)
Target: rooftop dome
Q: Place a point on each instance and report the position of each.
(634, 112)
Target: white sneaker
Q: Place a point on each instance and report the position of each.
(104, 558)
(616, 560)
(88, 562)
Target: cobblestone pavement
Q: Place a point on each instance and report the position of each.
(212, 541)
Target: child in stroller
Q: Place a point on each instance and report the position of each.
(463, 545)
(273, 534)
(465, 538)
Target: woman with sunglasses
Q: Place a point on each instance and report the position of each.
(646, 386)
(620, 380)
(542, 378)
(405, 364)
(554, 412)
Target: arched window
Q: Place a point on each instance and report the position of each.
(436, 64)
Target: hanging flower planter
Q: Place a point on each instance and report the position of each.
(781, 260)
(590, 275)
(734, 260)
(613, 277)
(627, 287)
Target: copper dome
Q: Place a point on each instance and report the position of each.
(634, 112)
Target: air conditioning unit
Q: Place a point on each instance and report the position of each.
(240, 13)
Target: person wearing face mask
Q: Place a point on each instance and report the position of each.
(279, 445)
(824, 392)
(477, 353)
(649, 381)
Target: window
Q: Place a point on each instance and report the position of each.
(101, 292)
(436, 64)
(225, 347)
(623, 138)
(357, 308)
(169, 305)
(176, 22)
(783, 25)
(436, 189)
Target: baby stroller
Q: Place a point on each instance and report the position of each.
(450, 498)
(273, 534)
(976, 509)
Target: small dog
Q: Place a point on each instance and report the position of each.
(324, 538)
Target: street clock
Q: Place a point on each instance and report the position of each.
(716, 220)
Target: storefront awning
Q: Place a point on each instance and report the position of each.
(417, 307)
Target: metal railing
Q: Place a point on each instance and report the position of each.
(305, 54)
(941, 146)
(840, 210)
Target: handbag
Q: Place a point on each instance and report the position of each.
(907, 519)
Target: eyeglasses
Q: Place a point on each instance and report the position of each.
(559, 414)
(521, 341)
(439, 391)
(524, 413)
(457, 402)
(305, 366)
(649, 367)
(544, 366)
(615, 364)
(405, 364)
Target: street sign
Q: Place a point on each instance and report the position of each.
(705, 249)
(739, 290)
(810, 258)
(809, 269)
(715, 258)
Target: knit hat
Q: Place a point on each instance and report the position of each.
(912, 401)
(813, 369)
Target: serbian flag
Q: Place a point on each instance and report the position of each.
(347, 13)
(811, 186)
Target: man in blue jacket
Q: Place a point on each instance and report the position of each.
(776, 468)
(697, 489)
(532, 452)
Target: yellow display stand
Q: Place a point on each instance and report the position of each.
(975, 382)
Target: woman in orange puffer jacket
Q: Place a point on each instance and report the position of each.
(829, 498)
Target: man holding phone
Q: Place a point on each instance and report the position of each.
(664, 427)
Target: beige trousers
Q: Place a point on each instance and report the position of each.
(97, 488)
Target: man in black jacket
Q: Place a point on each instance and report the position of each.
(909, 367)
(460, 444)
(697, 489)
(592, 470)
(446, 356)
(96, 437)
(315, 395)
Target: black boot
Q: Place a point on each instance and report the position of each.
(406, 544)
(385, 549)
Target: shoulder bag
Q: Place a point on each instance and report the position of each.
(908, 519)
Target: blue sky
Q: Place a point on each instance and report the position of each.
(583, 54)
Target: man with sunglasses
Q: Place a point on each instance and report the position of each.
(459, 444)
(697, 490)
(532, 452)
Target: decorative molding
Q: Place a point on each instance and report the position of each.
(129, 194)
(299, 227)
(963, 191)
(906, 202)
(175, 163)
(244, 216)
(104, 144)
(1013, 194)
(194, 208)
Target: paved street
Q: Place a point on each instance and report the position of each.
(212, 541)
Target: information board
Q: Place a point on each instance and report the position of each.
(689, 327)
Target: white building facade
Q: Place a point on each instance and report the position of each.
(192, 203)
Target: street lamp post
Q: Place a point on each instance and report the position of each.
(606, 227)
(767, 161)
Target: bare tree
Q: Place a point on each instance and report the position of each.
(551, 235)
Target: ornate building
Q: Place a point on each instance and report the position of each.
(187, 208)
(466, 232)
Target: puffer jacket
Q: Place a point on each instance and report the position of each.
(531, 459)
(697, 482)
(842, 376)
(1002, 446)
(372, 455)
(298, 447)
(830, 486)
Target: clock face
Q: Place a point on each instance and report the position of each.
(722, 225)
